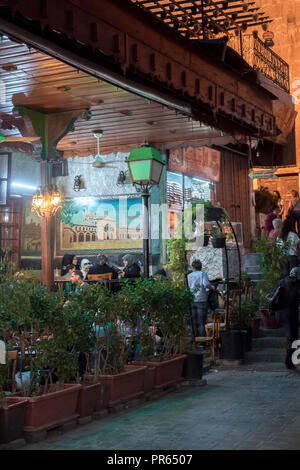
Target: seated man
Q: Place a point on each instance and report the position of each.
(102, 267)
(77, 280)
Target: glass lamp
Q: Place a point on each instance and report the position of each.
(145, 166)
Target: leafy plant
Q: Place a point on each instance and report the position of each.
(169, 307)
(241, 318)
(216, 232)
(272, 258)
(263, 200)
(177, 260)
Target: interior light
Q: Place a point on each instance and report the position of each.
(25, 186)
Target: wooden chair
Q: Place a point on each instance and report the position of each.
(206, 341)
(62, 278)
(63, 283)
(249, 290)
(99, 277)
(213, 330)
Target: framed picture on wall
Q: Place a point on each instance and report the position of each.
(92, 224)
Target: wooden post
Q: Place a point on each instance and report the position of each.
(47, 234)
(47, 250)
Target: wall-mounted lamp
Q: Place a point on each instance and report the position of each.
(124, 178)
(78, 183)
(46, 201)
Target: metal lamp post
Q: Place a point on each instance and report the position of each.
(145, 166)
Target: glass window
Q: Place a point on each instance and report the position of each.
(196, 189)
(181, 191)
(4, 177)
(174, 200)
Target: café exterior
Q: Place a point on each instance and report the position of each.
(70, 122)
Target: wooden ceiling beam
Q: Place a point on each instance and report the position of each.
(128, 65)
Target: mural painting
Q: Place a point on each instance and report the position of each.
(100, 224)
(31, 236)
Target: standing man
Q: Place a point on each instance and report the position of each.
(199, 285)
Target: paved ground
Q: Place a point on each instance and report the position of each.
(238, 409)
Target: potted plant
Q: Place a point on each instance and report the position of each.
(218, 237)
(121, 382)
(212, 212)
(165, 306)
(247, 294)
(79, 313)
(44, 338)
(12, 409)
(272, 258)
(241, 319)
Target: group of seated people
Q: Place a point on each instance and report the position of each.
(71, 270)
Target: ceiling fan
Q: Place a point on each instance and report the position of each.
(18, 139)
(99, 163)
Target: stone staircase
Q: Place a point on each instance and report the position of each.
(268, 351)
(250, 265)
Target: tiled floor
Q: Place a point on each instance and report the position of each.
(238, 409)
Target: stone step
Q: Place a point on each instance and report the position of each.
(252, 269)
(263, 332)
(266, 355)
(268, 342)
(255, 276)
(250, 259)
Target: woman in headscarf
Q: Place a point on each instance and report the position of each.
(132, 268)
(66, 261)
(85, 267)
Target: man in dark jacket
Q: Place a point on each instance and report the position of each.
(290, 299)
(102, 267)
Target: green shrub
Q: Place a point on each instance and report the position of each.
(272, 258)
(241, 318)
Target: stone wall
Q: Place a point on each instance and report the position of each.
(214, 261)
(286, 28)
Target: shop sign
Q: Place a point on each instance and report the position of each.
(263, 175)
(196, 161)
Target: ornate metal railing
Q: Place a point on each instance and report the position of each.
(262, 58)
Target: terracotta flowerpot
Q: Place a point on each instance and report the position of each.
(149, 379)
(102, 394)
(90, 398)
(52, 409)
(167, 372)
(12, 419)
(125, 386)
(254, 323)
(269, 321)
